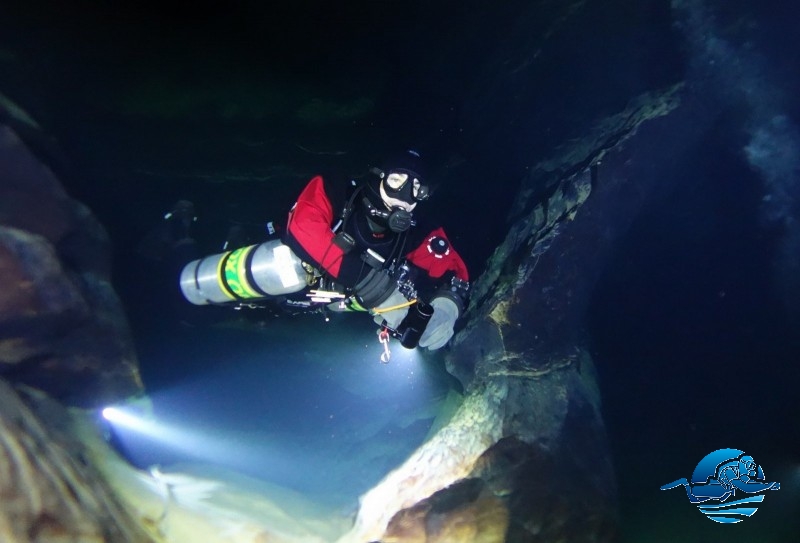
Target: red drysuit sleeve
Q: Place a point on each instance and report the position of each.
(435, 264)
(309, 226)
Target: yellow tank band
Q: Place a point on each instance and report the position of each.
(223, 286)
(235, 274)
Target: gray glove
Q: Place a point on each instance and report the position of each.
(394, 317)
(440, 327)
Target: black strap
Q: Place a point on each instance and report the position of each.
(348, 207)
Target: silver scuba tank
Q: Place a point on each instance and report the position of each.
(245, 274)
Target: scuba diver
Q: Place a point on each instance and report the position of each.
(350, 247)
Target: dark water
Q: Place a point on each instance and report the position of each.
(693, 339)
(693, 324)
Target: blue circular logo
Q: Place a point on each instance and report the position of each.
(717, 477)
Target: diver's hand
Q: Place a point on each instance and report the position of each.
(394, 317)
(440, 328)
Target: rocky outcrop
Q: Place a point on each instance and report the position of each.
(64, 335)
(62, 327)
(51, 493)
(525, 458)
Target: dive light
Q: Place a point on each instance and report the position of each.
(413, 325)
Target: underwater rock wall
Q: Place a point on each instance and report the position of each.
(63, 335)
(552, 465)
(50, 492)
(62, 327)
(527, 312)
(526, 456)
(395, 510)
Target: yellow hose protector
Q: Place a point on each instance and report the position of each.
(392, 308)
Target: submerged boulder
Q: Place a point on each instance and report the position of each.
(63, 335)
(51, 493)
(62, 326)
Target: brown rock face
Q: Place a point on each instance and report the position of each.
(49, 494)
(62, 328)
(467, 512)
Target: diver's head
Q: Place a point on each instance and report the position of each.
(399, 190)
(183, 209)
(749, 465)
(402, 181)
(182, 213)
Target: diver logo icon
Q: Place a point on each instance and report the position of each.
(717, 477)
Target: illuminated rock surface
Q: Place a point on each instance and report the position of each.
(51, 491)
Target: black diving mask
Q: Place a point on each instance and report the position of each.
(411, 190)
